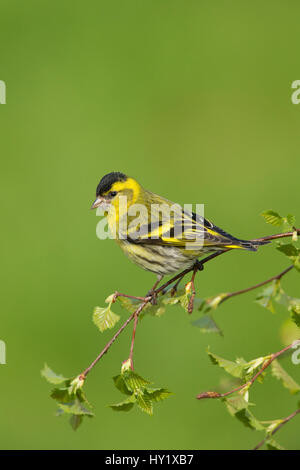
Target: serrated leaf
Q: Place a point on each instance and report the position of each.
(104, 318)
(120, 385)
(266, 297)
(282, 298)
(248, 419)
(75, 407)
(125, 405)
(236, 369)
(158, 394)
(206, 324)
(144, 402)
(61, 395)
(288, 249)
(134, 382)
(295, 315)
(238, 407)
(51, 376)
(273, 218)
(235, 403)
(182, 297)
(291, 220)
(292, 252)
(287, 381)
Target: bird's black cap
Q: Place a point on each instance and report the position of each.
(108, 180)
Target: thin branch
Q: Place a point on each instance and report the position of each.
(276, 236)
(250, 382)
(136, 317)
(119, 294)
(256, 286)
(135, 314)
(283, 422)
(191, 301)
(145, 300)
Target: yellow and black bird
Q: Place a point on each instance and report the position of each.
(160, 242)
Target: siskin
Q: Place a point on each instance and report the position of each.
(165, 238)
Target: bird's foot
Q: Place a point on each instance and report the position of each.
(199, 265)
(153, 294)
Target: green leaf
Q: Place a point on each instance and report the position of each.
(155, 310)
(51, 376)
(266, 297)
(75, 407)
(61, 395)
(272, 426)
(238, 407)
(287, 381)
(233, 368)
(288, 249)
(295, 315)
(273, 218)
(76, 421)
(288, 332)
(69, 396)
(292, 252)
(130, 305)
(134, 382)
(125, 405)
(214, 302)
(144, 402)
(206, 324)
(182, 297)
(75, 385)
(120, 385)
(252, 366)
(273, 445)
(291, 220)
(248, 419)
(104, 318)
(158, 394)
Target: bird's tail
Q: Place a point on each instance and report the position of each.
(247, 244)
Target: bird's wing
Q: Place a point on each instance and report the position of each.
(180, 229)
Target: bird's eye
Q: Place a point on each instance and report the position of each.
(113, 193)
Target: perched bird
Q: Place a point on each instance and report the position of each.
(165, 238)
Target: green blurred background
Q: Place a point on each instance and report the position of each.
(194, 100)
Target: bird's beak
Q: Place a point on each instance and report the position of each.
(98, 202)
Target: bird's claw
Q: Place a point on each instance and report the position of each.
(199, 265)
(152, 293)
